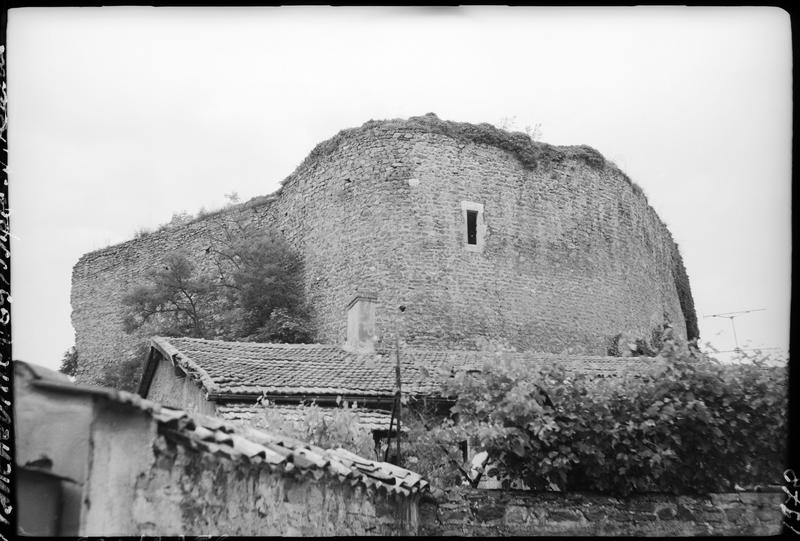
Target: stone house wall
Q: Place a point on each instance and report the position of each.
(143, 483)
(572, 253)
(476, 512)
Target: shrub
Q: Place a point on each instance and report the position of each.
(686, 425)
(434, 450)
(124, 375)
(141, 233)
(325, 427)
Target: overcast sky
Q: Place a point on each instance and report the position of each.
(119, 117)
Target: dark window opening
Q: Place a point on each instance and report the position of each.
(472, 227)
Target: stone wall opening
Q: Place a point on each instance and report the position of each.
(474, 227)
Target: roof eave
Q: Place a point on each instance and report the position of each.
(169, 352)
(319, 397)
(149, 370)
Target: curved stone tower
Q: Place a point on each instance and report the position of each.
(485, 237)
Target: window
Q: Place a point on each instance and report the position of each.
(474, 226)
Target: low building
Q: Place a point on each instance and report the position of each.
(148, 469)
(229, 379)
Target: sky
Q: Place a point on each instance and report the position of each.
(121, 116)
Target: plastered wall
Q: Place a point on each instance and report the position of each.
(174, 389)
(53, 427)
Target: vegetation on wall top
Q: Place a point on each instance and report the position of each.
(529, 152)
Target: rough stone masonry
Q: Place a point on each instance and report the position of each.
(487, 238)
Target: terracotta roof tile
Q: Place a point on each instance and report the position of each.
(253, 414)
(248, 368)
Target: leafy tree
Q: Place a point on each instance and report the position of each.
(248, 287)
(261, 280)
(69, 363)
(174, 300)
(251, 291)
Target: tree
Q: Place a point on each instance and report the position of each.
(251, 290)
(174, 300)
(261, 280)
(69, 363)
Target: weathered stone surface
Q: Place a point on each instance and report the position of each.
(666, 513)
(531, 513)
(684, 513)
(768, 514)
(488, 512)
(564, 515)
(517, 514)
(573, 253)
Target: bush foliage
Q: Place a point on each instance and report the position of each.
(688, 424)
(124, 375)
(328, 428)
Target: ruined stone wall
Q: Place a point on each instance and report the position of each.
(572, 254)
(490, 513)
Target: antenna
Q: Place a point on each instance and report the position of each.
(731, 316)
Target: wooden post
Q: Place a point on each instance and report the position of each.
(399, 394)
(389, 435)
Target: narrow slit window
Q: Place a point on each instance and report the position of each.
(472, 227)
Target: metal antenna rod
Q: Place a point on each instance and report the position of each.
(731, 316)
(399, 381)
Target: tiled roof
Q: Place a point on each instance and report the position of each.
(253, 414)
(289, 455)
(240, 442)
(248, 368)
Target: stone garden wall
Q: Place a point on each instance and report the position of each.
(144, 484)
(476, 512)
